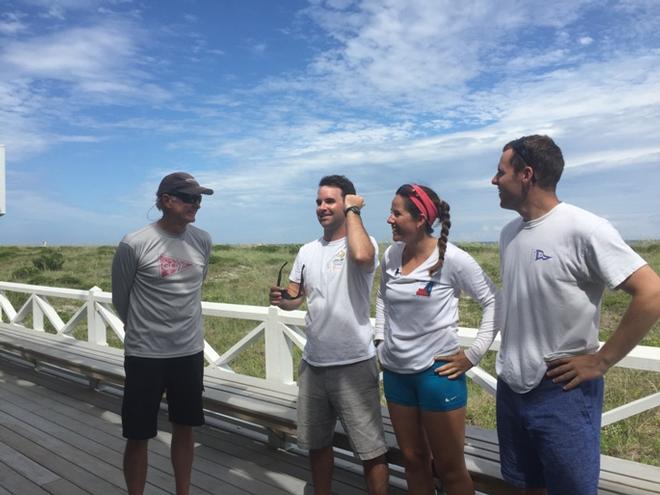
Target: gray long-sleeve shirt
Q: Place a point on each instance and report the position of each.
(156, 288)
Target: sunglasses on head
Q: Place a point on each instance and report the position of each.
(190, 199)
(285, 293)
(521, 150)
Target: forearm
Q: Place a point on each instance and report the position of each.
(379, 329)
(291, 304)
(641, 315)
(485, 335)
(120, 303)
(360, 248)
(482, 289)
(642, 312)
(123, 275)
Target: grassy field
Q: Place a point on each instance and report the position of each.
(242, 274)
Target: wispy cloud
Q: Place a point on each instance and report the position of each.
(78, 55)
(50, 77)
(11, 24)
(390, 91)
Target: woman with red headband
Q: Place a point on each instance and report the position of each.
(417, 321)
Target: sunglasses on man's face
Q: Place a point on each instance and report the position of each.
(285, 293)
(190, 199)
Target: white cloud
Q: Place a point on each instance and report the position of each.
(78, 53)
(397, 91)
(11, 24)
(259, 48)
(424, 54)
(602, 114)
(50, 80)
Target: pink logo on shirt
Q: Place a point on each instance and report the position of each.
(170, 266)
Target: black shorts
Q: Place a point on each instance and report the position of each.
(146, 380)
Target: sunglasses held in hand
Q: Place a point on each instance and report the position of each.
(285, 293)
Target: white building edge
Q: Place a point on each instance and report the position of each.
(2, 179)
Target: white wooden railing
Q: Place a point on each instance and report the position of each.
(282, 332)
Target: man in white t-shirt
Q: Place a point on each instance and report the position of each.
(338, 373)
(555, 261)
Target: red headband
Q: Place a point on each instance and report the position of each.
(424, 204)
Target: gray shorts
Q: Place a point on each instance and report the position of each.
(348, 392)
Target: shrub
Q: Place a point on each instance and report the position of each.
(23, 273)
(223, 247)
(69, 281)
(8, 251)
(105, 250)
(267, 248)
(294, 248)
(48, 260)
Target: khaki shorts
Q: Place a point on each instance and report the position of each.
(348, 392)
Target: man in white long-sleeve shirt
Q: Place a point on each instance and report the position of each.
(157, 276)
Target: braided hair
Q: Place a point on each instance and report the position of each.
(444, 220)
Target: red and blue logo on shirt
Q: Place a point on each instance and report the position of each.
(426, 290)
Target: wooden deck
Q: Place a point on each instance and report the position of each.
(60, 437)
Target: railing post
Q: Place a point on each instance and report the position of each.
(37, 315)
(279, 357)
(96, 331)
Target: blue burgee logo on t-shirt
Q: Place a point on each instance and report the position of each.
(541, 256)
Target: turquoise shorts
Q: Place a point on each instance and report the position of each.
(425, 390)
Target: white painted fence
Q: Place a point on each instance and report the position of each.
(282, 331)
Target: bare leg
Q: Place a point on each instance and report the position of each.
(412, 442)
(377, 475)
(182, 451)
(135, 466)
(446, 436)
(322, 462)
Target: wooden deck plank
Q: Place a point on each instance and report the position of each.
(3, 491)
(25, 466)
(159, 448)
(275, 408)
(223, 473)
(232, 466)
(64, 487)
(13, 482)
(54, 455)
(106, 448)
(59, 410)
(287, 474)
(82, 451)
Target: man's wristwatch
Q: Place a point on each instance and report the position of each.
(354, 209)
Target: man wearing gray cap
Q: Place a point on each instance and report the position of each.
(157, 276)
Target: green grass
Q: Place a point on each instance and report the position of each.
(242, 275)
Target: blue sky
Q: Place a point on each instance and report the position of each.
(259, 99)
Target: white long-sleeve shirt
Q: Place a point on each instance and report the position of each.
(417, 314)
